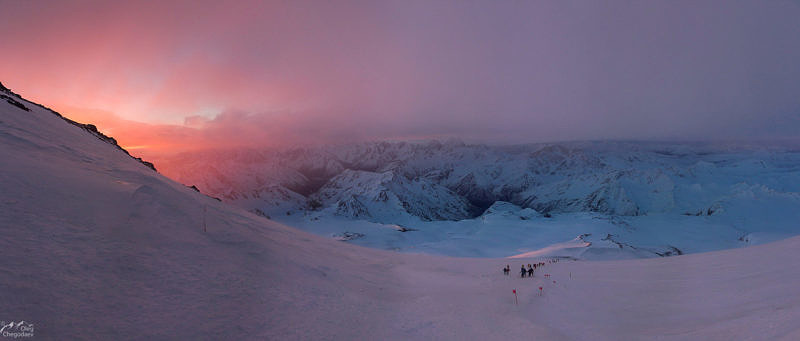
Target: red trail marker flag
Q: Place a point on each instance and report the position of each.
(515, 297)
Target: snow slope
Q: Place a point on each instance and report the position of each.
(95, 245)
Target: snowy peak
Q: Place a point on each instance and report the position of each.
(507, 209)
(389, 197)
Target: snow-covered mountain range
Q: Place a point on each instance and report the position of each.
(657, 197)
(454, 181)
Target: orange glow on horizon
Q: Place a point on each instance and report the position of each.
(137, 147)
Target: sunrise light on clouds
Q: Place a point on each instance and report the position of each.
(275, 73)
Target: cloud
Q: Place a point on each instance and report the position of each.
(228, 130)
(206, 73)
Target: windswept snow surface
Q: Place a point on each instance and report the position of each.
(97, 246)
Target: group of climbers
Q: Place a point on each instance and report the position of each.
(526, 271)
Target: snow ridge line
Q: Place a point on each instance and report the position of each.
(90, 128)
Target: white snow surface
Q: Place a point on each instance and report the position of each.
(96, 246)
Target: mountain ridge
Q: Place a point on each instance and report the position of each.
(608, 178)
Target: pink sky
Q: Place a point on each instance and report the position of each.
(169, 75)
